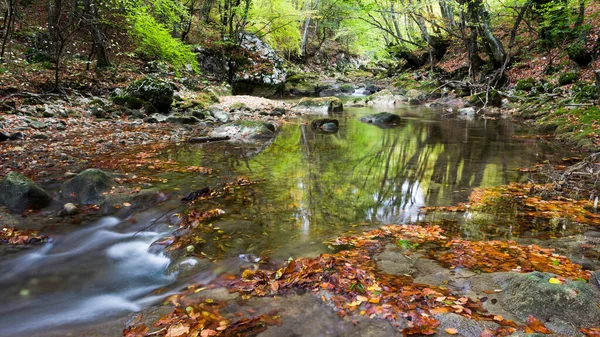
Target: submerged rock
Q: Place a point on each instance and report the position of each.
(87, 187)
(19, 193)
(320, 105)
(384, 119)
(326, 125)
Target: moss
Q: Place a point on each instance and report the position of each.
(302, 77)
(493, 98)
(525, 84)
(567, 78)
(577, 126)
(128, 101)
(347, 88)
(584, 92)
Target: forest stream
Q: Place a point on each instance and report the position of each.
(307, 187)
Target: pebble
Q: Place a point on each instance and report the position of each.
(70, 209)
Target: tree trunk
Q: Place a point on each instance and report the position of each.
(97, 36)
(597, 76)
(8, 26)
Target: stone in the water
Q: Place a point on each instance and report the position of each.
(384, 119)
(327, 125)
(88, 186)
(19, 193)
(70, 209)
(245, 131)
(320, 105)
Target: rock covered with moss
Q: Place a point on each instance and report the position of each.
(88, 187)
(321, 105)
(148, 89)
(18, 193)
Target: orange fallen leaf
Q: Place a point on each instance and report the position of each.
(537, 326)
(452, 331)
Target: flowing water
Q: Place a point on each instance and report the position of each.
(313, 186)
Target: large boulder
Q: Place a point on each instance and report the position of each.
(150, 89)
(263, 73)
(559, 306)
(19, 193)
(383, 119)
(245, 131)
(321, 105)
(88, 186)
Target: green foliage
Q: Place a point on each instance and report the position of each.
(579, 54)
(585, 92)
(567, 78)
(525, 84)
(278, 22)
(156, 43)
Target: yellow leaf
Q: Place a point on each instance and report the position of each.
(554, 280)
(177, 330)
(451, 331)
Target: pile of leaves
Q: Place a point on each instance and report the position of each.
(494, 256)
(18, 237)
(526, 201)
(351, 281)
(202, 319)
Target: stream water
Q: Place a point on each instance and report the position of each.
(313, 186)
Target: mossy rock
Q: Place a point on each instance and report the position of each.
(493, 98)
(128, 101)
(525, 84)
(239, 106)
(302, 77)
(19, 193)
(159, 93)
(321, 104)
(88, 186)
(347, 88)
(567, 78)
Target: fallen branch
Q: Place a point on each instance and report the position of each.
(198, 140)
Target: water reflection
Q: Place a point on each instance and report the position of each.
(317, 184)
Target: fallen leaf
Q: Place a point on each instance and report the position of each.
(554, 280)
(177, 330)
(537, 326)
(451, 331)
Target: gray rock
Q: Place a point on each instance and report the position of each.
(465, 327)
(40, 136)
(87, 187)
(245, 131)
(274, 112)
(19, 193)
(559, 306)
(70, 209)
(330, 92)
(383, 119)
(8, 220)
(326, 125)
(385, 99)
(395, 263)
(322, 105)
(155, 118)
(469, 112)
(415, 96)
(220, 115)
(141, 200)
(183, 119)
(17, 135)
(186, 266)
(37, 124)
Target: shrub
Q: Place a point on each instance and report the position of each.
(525, 84)
(156, 43)
(567, 78)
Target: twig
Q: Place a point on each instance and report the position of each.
(156, 332)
